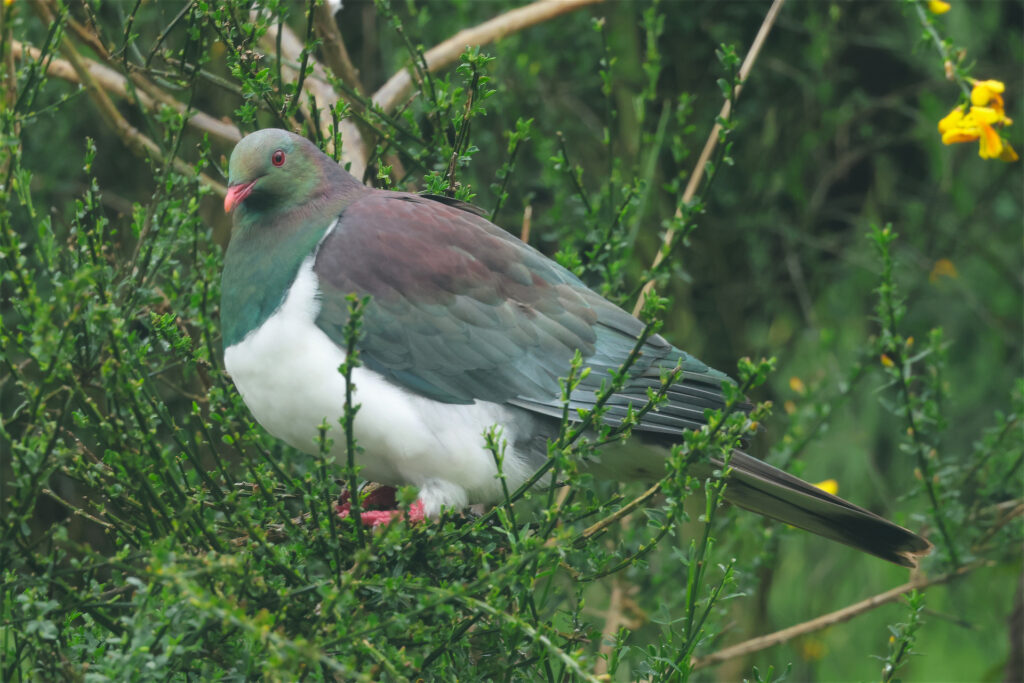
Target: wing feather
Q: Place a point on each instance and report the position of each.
(462, 311)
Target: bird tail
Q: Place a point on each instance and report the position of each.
(757, 486)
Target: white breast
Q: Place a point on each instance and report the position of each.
(287, 372)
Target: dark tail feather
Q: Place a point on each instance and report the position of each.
(761, 488)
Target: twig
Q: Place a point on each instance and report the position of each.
(10, 79)
(116, 84)
(353, 150)
(712, 142)
(524, 233)
(398, 87)
(613, 619)
(335, 53)
(598, 526)
(131, 136)
(845, 614)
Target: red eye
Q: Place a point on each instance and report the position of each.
(278, 158)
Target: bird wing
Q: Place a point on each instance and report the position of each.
(462, 311)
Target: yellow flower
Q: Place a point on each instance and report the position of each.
(829, 486)
(984, 92)
(977, 123)
(942, 268)
(797, 385)
(886, 361)
(938, 6)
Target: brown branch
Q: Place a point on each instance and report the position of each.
(10, 79)
(91, 39)
(335, 53)
(398, 87)
(524, 233)
(613, 620)
(845, 614)
(712, 142)
(136, 141)
(115, 84)
(353, 150)
(622, 512)
(338, 61)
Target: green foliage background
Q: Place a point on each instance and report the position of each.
(152, 530)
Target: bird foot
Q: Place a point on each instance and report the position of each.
(380, 507)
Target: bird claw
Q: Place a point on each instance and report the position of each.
(380, 507)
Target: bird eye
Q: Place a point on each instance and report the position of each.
(277, 158)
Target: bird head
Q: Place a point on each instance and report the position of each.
(273, 169)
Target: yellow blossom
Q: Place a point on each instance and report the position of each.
(942, 268)
(984, 92)
(789, 407)
(797, 385)
(829, 486)
(938, 6)
(886, 361)
(977, 123)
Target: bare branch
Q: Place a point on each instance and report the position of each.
(845, 614)
(335, 53)
(712, 141)
(524, 233)
(135, 140)
(353, 150)
(398, 87)
(114, 83)
(337, 59)
(613, 619)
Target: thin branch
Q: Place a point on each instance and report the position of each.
(10, 79)
(317, 84)
(622, 512)
(85, 71)
(524, 233)
(845, 614)
(337, 59)
(712, 142)
(399, 86)
(141, 145)
(335, 53)
(612, 621)
(114, 83)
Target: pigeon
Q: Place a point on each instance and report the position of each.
(465, 328)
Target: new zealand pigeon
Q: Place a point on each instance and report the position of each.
(467, 327)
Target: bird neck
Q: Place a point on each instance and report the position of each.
(263, 260)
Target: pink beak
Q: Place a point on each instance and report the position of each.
(236, 193)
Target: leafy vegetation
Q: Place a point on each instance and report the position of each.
(151, 530)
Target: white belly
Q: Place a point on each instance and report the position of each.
(287, 372)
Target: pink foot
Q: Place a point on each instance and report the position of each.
(379, 517)
(381, 508)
